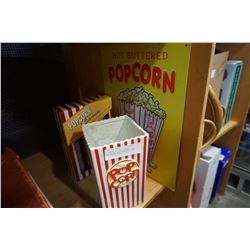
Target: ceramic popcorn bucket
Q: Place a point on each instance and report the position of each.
(145, 111)
(118, 148)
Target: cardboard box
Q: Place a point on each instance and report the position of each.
(218, 68)
(69, 118)
(118, 148)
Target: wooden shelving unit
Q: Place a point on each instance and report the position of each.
(230, 138)
(224, 130)
(153, 188)
(61, 191)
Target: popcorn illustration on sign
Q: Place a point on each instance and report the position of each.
(145, 111)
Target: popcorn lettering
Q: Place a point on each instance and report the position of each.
(122, 173)
(79, 119)
(145, 74)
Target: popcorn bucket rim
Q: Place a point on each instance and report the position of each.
(145, 133)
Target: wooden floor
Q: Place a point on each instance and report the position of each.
(49, 170)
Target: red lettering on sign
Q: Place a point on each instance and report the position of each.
(145, 74)
(156, 77)
(118, 69)
(134, 67)
(127, 70)
(145, 69)
(168, 82)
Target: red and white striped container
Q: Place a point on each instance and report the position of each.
(75, 154)
(118, 148)
(148, 120)
(75, 158)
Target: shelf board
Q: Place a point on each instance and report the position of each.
(153, 188)
(225, 129)
(49, 171)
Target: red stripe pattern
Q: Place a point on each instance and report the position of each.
(133, 193)
(149, 121)
(75, 154)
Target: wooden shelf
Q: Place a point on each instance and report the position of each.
(153, 188)
(229, 126)
(49, 171)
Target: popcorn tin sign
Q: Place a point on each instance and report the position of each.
(148, 83)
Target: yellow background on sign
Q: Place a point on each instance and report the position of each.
(166, 154)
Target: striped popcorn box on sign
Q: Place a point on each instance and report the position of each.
(75, 154)
(118, 148)
(148, 120)
(153, 125)
(146, 112)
